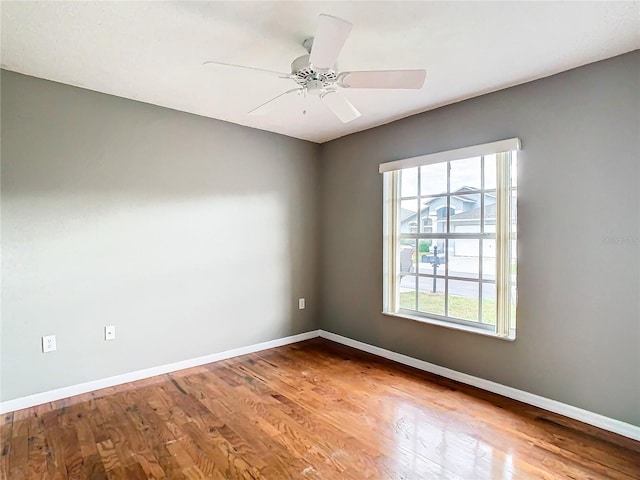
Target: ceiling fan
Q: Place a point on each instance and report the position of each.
(315, 73)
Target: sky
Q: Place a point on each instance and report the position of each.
(433, 178)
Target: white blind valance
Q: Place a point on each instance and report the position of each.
(500, 146)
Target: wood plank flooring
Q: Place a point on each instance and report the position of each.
(313, 410)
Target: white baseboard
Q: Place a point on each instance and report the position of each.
(595, 419)
(65, 392)
(585, 416)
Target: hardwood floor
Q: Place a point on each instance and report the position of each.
(310, 410)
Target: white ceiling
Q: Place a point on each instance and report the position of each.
(153, 51)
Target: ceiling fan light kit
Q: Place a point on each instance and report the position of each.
(315, 73)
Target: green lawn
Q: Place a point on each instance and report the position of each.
(459, 307)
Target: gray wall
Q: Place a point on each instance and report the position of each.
(191, 235)
(578, 333)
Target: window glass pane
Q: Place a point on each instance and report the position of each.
(408, 216)
(465, 173)
(488, 259)
(431, 295)
(433, 179)
(407, 287)
(490, 212)
(438, 214)
(464, 258)
(514, 169)
(465, 213)
(514, 256)
(431, 256)
(407, 255)
(514, 211)
(489, 171)
(514, 300)
(409, 182)
(489, 250)
(489, 303)
(427, 217)
(463, 299)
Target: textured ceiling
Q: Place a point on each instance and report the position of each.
(153, 51)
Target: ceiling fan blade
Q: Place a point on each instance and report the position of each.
(413, 79)
(261, 70)
(340, 106)
(267, 106)
(331, 34)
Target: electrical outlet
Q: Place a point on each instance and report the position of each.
(301, 303)
(48, 343)
(110, 332)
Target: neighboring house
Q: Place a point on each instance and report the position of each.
(434, 211)
(464, 217)
(468, 221)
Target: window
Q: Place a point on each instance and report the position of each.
(426, 224)
(457, 266)
(442, 211)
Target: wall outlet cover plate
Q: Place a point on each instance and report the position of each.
(48, 343)
(110, 332)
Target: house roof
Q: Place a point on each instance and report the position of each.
(466, 190)
(471, 214)
(406, 213)
(474, 214)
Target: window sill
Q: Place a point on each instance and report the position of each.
(452, 326)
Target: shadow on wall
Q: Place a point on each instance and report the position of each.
(192, 259)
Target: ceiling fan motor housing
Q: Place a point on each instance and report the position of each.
(305, 75)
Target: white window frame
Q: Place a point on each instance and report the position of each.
(504, 327)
